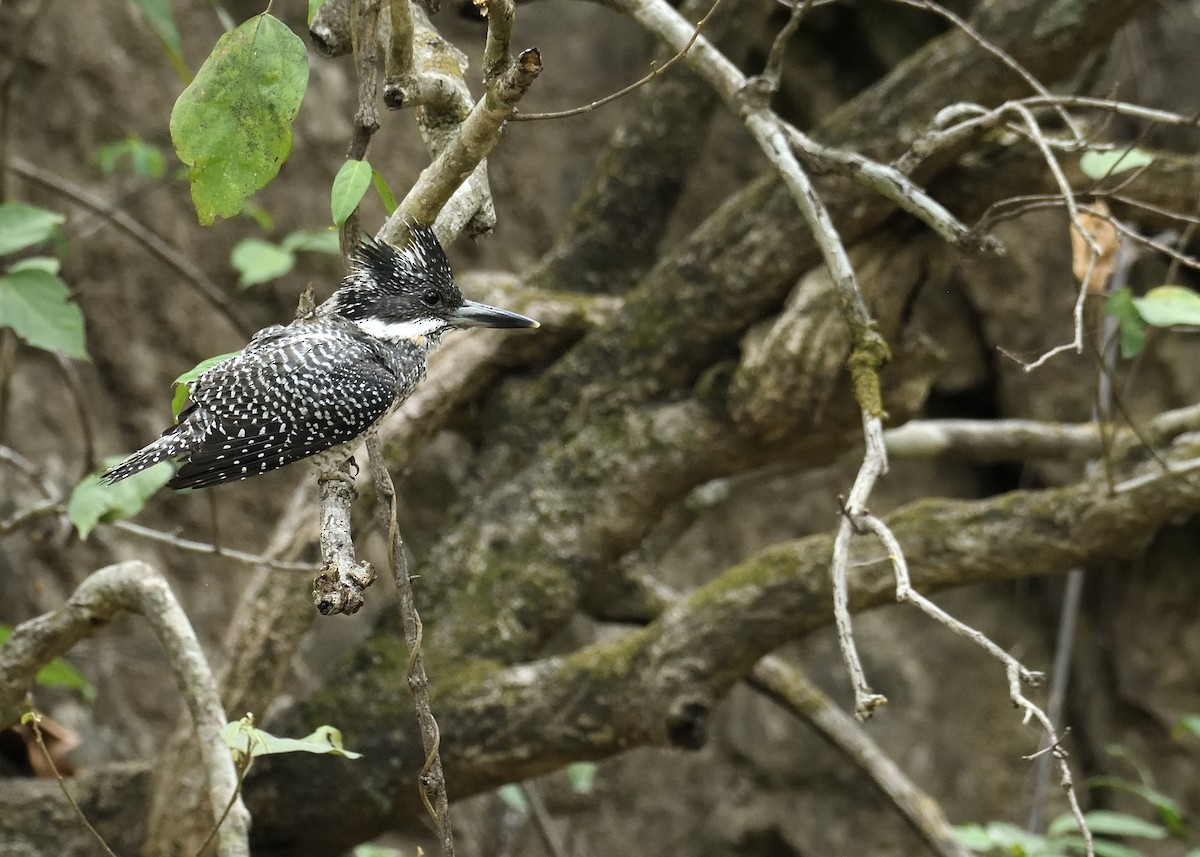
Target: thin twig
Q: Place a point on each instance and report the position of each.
(34, 718)
(432, 779)
(1016, 673)
(208, 549)
(655, 71)
(542, 822)
(873, 466)
(791, 689)
(1002, 55)
(145, 237)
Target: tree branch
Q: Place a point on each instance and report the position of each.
(136, 588)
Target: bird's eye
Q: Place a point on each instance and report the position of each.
(431, 299)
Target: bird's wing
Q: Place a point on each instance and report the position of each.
(286, 397)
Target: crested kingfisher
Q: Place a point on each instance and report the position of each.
(320, 385)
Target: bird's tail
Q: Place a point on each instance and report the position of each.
(170, 445)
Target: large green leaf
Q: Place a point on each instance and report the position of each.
(36, 304)
(23, 226)
(232, 125)
(242, 736)
(349, 185)
(92, 501)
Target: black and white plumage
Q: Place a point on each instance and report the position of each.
(321, 384)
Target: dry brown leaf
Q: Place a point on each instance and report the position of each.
(1097, 223)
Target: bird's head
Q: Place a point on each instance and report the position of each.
(408, 293)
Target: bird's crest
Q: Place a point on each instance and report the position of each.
(419, 261)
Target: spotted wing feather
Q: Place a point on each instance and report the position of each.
(289, 395)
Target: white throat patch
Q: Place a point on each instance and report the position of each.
(396, 331)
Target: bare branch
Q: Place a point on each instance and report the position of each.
(137, 588)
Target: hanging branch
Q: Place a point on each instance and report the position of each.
(432, 780)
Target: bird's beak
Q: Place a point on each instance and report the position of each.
(472, 314)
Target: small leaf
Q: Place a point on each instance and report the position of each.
(1100, 847)
(314, 6)
(349, 186)
(36, 304)
(1168, 809)
(1190, 723)
(92, 501)
(1016, 840)
(232, 125)
(582, 776)
(1120, 306)
(370, 849)
(325, 241)
(57, 673)
(973, 836)
(385, 193)
(183, 382)
(1106, 823)
(1164, 306)
(1098, 165)
(144, 159)
(23, 226)
(512, 795)
(242, 736)
(36, 263)
(158, 15)
(258, 261)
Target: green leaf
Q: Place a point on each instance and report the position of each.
(1190, 723)
(1017, 841)
(36, 304)
(57, 673)
(582, 776)
(370, 849)
(1120, 306)
(232, 125)
(349, 185)
(314, 6)
(1098, 165)
(512, 795)
(258, 261)
(183, 382)
(158, 15)
(325, 241)
(92, 502)
(23, 226)
(144, 159)
(1168, 809)
(1105, 823)
(1100, 847)
(36, 263)
(974, 836)
(385, 193)
(242, 736)
(1164, 306)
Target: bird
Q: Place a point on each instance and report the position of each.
(320, 385)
